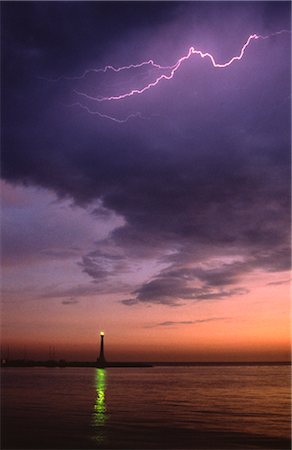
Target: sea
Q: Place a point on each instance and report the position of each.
(160, 407)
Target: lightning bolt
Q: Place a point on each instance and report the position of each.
(106, 116)
(105, 69)
(168, 74)
(174, 68)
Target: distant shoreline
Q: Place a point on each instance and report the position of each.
(62, 363)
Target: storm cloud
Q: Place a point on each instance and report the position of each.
(202, 183)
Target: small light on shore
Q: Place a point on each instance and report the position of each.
(102, 333)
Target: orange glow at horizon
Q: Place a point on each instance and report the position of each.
(252, 327)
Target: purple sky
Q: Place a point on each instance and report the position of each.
(180, 208)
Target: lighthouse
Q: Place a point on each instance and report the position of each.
(101, 359)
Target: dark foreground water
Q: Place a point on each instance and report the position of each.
(216, 407)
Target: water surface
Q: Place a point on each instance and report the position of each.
(214, 407)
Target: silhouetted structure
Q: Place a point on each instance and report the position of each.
(101, 359)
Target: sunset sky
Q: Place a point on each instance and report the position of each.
(161, 218)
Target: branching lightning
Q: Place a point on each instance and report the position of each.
(106, 116)
(168, 74)
(105, 69)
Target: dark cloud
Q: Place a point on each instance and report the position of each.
(83, 290)
(206, 176)
(94, 269)
(174, 291)
(170, 323)
(71, 301)
(102, 264)
(179, 283)
(278, 283)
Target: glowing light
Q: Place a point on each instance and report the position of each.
(99, 414)
(102, 333)
(168, 73)
(106, 116)
(111, 68)
(99, 407)
(173, 69)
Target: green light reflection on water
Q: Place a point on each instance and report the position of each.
(99, 409)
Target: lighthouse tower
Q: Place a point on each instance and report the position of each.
(101, 359)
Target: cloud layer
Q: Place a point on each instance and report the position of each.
(202, 186)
